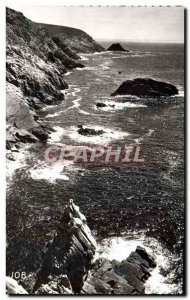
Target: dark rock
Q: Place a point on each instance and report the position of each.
(100, 104)
(69, 254)
(40, 134)
(25, 137)
(116, 47)
(89, 131)
(145, 87)
(147, 257)
(51, 56)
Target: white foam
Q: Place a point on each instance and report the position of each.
(56, 114)
(103, 139)
(19, 162)
(119, 248)
(56, 136)
(140, 139)
(83, 57)
(50, 172)
(68, 73)
(118, 105)
(84, 112)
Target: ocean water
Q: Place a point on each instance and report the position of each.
(125, 204)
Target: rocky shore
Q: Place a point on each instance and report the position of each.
(69, 265)
(36, 62)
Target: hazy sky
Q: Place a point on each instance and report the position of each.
(150, 24)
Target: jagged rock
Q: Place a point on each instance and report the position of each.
(116, 47)
(12, 287)
(147, 257)
(69, 254)
(89, 131)
(145, 87)
(68, 265)
(126, 277)
(40, 134)
(35, 77)
(25, 137)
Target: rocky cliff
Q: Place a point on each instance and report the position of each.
(76, 39)
(69, 265)
(35, 68)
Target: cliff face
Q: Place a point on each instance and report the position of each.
(35, 68)
(76, 39)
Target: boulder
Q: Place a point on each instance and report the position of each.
(145, 87)
(100, 104)
(117, 47)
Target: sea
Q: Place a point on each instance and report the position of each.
(126, 204)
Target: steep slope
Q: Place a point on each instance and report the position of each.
(35, 68)
(76, 39)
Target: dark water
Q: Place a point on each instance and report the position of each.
(117, 197)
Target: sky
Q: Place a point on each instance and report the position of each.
(139, 24)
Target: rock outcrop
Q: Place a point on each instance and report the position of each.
(146, 87)
(116, 47)
(89, 131)
(76, 39)
(35, 67)
(126, 277)
(68, 265)
(68, 257)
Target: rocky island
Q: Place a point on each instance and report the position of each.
(116, 47)
(145, 87)
(68, 264)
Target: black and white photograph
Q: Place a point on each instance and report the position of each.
(95, 149)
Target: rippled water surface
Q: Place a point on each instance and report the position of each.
(117, 198)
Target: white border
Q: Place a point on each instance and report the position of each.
(185, 3)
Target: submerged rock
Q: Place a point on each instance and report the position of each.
(145, 87)
(100, 105)
(117, 47)
(89, 131)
